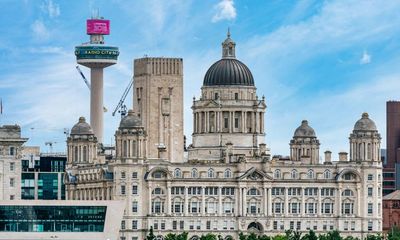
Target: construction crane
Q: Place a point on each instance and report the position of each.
(87, 83)
(121, 107)
(50, 144)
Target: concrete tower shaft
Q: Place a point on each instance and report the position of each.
(96, 56)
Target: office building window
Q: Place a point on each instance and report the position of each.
(134, 224)
(12, 167)
(174, 225)
(182, 225)
(155, 225)
(370, 208)
(134, 175)
(370, 226)
(208, 225)
(134, 207)
(134, 189)
(370, 191)
(370, 177)
(12, 182)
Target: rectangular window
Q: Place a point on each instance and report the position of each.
(291, 226)
(236, 96)
(123, 175)
(326, 208)
(12, 197)
(174, 225)
(155, 225)
(370, 177)
(236, 122)
(12, 167)
(135, 207)
(191, 225)
(226, 122)
(208, 225)
(162, 225)
(294, 208)
(134, 175)
(134, 224)
(370, 208)
(370, 191)
(275, 225)
(12, 151)
(277, 191)
(278, 207)
(370, 226)
(181, 225)
(346, 226)
(12, 182)
(298, 227)
(122, 190)
(311, 208)
(353, 226)
(123, 225)
(347, 208)
(134, 189)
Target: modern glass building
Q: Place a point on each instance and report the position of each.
(42, 177)
(42, 219)
(53, 218)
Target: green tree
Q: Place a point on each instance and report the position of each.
(208, 236)
(280, 237)
(242, 236)
(374, 237)
(264, 237)
(310, 236)
(351, 238)
(331, 235)
(394, 233)
(182, 236)
(170, 236)
(151, 235)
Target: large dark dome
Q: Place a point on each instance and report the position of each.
(228, 71)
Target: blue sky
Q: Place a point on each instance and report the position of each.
(324, 61)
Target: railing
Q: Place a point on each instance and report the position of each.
(54, 154)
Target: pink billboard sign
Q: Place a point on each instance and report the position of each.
(97, 26)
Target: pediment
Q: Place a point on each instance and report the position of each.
(211, 103)
(255, 174)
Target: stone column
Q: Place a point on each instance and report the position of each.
(168, 198)
(265, 201)
(286, 202)
(203, 201)
(220, 201)
(269, 202)
(339, 201)
(149, 200)
(319, 210)
(358, 202)
(186, 204)
(302, 207)
(239, 209)
(244, 201)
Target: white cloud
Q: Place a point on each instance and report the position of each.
(225, 11)
(365, 58)
(39, 30)
(50, 8)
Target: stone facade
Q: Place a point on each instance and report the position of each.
(229, 182)
(10, 161)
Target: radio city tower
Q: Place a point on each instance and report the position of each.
(96, 56)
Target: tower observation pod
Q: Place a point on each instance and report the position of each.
(96, 56)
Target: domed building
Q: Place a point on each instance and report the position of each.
(227, 182)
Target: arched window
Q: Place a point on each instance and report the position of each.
(178, 173)
(294, 174)
(125, 149)
(253, 192)
(159, 174)
(347, 193)
(310, 174)
(349, 176)
(277, 174)
(195, 173)
(157, 191)
(228, 173)
(210, 173)
(327, 174)
(84, 153)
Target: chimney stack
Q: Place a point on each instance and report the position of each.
(343, 156)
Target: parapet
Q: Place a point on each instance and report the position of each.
(158, 66)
